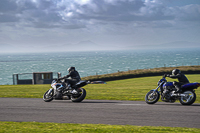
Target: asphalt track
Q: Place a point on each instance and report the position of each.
(100, 112)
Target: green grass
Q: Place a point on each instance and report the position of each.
(36, 127)
(23, 91)
(133, 89)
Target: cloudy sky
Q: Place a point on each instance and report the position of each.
(111, 24)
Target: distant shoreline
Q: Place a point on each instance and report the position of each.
(143, 73)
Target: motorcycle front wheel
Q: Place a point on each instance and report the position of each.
(79, 96)
(48, 96)
(188, 99)
(152, 97)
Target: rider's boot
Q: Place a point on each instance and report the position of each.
(66, 86)
(69, 87)
(178, 90)
(74, 91)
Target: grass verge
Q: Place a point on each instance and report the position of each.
(32, 127)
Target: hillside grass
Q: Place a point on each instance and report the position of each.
(143, 73)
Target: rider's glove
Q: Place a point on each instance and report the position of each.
(166, 75)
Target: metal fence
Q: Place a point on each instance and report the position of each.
(35, 77)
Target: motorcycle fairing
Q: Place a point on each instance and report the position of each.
(56, 84)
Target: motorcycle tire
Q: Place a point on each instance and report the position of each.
(48, 97)
(151, 99)
(188, 100)
(80, 96)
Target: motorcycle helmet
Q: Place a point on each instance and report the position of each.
(176, 71)
(70, 69)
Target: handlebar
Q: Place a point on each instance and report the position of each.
(165, 75)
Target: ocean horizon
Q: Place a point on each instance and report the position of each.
(90, 63)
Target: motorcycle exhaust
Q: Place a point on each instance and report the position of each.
(65, 98)
(179, 95)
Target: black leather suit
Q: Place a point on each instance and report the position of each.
(182, 80)
(75, 77)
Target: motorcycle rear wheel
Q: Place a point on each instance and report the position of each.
(152, 97)
(189, 99)
(48, 97)
(80, 96)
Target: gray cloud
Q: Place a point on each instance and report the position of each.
(8, 6)
(72, 12)
(188, 13)
(98, 20)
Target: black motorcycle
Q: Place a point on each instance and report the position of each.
(59, 92)
(167, 92)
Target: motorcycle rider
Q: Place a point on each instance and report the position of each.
(176, 74)
(75, 77)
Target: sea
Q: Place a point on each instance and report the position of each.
(94, 62)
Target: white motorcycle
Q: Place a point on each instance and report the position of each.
(58, 92)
